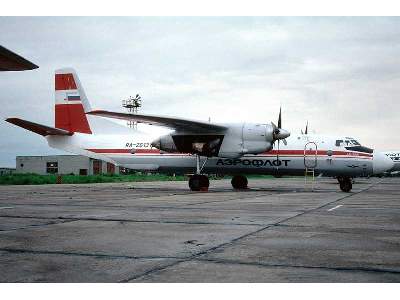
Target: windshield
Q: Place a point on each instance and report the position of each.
(348, 142)
(353, 145)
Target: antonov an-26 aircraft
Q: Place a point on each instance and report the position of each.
(199, 147)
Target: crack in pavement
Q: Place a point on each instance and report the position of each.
(275, 265)
(36, 225)
(132, 220)
(100, 255)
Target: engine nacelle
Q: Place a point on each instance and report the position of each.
(246, 138)
(237, 140)
(165, 143)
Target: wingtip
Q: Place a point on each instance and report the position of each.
(11, 120)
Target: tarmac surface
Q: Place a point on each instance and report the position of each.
(277, 231)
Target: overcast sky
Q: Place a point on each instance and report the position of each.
(341, 74)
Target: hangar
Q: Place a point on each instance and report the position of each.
(63, 164)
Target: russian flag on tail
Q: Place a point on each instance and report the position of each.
(74, 96)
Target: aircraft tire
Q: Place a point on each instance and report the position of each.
(239, 182)
(199, 182)
(346, 185)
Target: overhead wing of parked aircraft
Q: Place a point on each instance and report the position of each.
(10, 61)
(178, 124)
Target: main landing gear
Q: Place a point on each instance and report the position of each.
(199, 182)
(239, 182)
(345, 184)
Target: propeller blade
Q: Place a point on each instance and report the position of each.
(305, 132)
(280, 118)
(285, 142)
(277, 156)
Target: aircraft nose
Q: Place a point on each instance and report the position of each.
(381, 163)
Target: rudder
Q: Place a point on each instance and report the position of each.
(71, 102)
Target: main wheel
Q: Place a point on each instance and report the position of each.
(199, 182)
(239, 182)
(346, 185)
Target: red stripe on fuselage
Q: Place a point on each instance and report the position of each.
(318, 152)
(153, 151)
(270, 153)
(65, 82)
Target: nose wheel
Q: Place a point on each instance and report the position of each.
(345, 184)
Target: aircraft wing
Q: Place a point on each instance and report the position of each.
(38, 128)
(10, 61)
(170, 122)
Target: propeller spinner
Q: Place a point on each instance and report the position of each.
(278, 132)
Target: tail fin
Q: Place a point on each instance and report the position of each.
(70, 102)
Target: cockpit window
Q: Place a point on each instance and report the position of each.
(339, 143)
(355, 143)
(360, 149)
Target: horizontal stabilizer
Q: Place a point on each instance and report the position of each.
(38, 128)
(170, 122)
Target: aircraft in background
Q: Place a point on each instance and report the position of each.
(198, 147)
(395, 157)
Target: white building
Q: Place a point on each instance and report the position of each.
(63, 164)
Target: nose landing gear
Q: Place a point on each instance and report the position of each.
(345, 184)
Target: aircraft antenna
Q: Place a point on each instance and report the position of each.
(132, 105)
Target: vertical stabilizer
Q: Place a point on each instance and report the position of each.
(71, 102)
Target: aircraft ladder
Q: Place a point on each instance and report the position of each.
(310, 162)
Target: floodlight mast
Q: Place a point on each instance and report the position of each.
(132, 105)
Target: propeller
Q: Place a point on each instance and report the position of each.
(279, 134)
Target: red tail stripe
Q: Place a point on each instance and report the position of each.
(71, 117)
(65, 82)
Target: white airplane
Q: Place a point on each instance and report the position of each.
(198, 147)
(395, 157)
